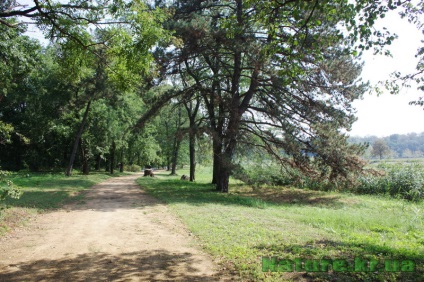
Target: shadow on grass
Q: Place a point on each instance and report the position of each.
(173, 190)
(146, 266)
(333, 250)
(70, 183)
(49, 191)
(45, 200)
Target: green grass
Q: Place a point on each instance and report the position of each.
(375, 162)
(43, 192)
(248, 223)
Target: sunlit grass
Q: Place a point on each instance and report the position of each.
(43, 192)
(248, 223)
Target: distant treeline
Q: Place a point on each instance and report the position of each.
(409, 145)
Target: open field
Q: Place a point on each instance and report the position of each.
(248, 223)
(374, 162)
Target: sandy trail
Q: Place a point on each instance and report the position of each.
(118, 234)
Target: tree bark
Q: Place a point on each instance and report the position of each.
(192, 144)
(112, 157)
(78, 137)
(217, 148)
(223, 179)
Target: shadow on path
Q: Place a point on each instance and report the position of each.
(159, 265)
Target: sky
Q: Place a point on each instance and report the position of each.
(385, 114)
(391, 114)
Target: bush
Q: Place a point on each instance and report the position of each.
(267, 173)
(133, 168)
(7, 189)
(399, 180)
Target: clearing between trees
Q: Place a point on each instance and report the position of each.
(117, 233)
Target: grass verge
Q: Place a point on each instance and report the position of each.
(43, 192)
(249, 223)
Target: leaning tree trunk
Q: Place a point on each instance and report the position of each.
(225, 158)
(78, 137)
(223, 173)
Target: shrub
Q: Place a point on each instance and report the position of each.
(7, 189)
(399, 180)
(262, 173)
(133, 168)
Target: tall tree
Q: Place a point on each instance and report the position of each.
(271, 68)
(20, 63)
(192, 107)
(380, 148)
(123, 58)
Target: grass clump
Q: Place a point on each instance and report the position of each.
(398, 180)
(249, 223)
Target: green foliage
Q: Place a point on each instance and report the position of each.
(399, 180)
(18, 57)
(265, 172)
(5, 132)
(255, 167)
(270, 173)
(379, 148)
(132, 168)
(7, 188)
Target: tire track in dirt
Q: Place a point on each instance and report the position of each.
(119, 233)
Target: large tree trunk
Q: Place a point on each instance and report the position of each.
(225, 166)
(217, 151)
(225, 158)
(223, 179)
(78, 137)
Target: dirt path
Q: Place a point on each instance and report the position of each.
(118, 234)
